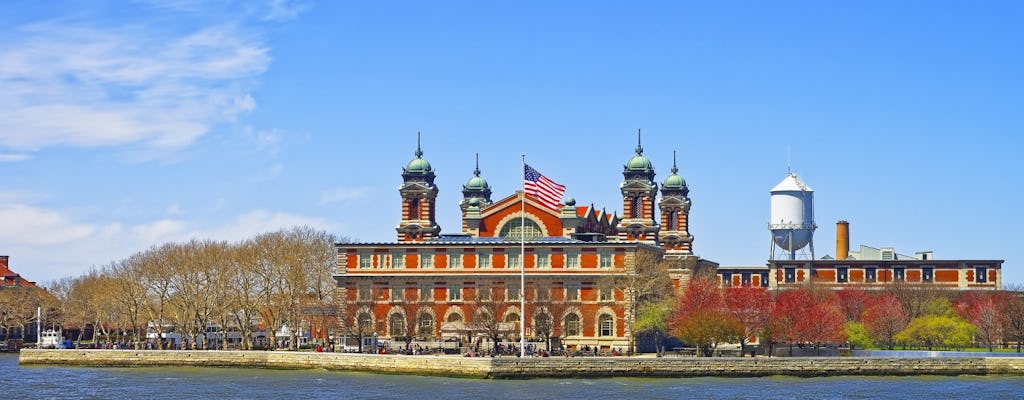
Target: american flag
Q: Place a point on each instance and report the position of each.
(545, 190)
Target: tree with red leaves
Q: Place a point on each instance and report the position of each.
(751, 307)
(787, 311)
(981, 310)
(823, 321)
(701, 319)
(853, 301)
(884, 318)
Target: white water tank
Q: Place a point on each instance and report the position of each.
(792, 218)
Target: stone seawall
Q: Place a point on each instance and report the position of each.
(515, 368)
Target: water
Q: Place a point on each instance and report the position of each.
(46, 382)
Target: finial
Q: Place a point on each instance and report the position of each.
(476, 171)
(639, 149)
(419, 151)
(789, 169)
(674, 169)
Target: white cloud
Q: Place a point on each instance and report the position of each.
(35, 226)
(342, 194)
(159, 231)
(270, 173)
(13, 157)
(67, 84)
(250, 224)
(282, 10)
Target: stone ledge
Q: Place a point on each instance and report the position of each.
(515, 368)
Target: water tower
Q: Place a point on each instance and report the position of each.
(792, 221)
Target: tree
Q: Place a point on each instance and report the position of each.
(751, 307)
(486, 317)
(645, 280)
(853, 301)
(933, 331)
(653, 319)
(981, 310)
(787, 312)
(1012, 310)
(857, 335)
(884, 318)
(822, 321)
(701, 319)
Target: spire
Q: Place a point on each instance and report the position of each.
(419, 150)
(639, 148)
(476, 171)
(674, 169)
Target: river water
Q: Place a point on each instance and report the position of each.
(47, 382)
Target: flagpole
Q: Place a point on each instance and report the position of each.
(522, 266)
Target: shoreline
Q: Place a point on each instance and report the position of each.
(529, 368)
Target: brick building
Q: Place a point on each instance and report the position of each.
(450, 281)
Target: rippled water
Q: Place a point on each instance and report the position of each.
(45, 382)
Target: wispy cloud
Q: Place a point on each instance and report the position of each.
(79, 85)
(283, 10)
(12, 157)
(342, 194)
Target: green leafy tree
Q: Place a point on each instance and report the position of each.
(653, 318)
(857, 335)
(938, 331)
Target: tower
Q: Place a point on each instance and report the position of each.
(418, 197)
(638, 195)
(792, 218)
(675, 213)
(476, 194)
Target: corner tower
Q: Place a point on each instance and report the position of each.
(675, 213)
(476, 195)
(419, 195)
(638, 195)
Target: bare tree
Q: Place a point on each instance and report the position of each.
(645, 280)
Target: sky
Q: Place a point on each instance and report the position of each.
(125, 125)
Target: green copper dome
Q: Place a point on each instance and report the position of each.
(674, 181)
(639, 163)
(476, 183)
(418, 165)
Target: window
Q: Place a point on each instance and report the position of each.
(397, 323)
(572, 292)
(425, 324)
(426, 290)
(572, 325)
(842, 274)
(604, 294)
(605, 259)
(572, 259)
(397, 292)
(899, 274)
(516, 229)
(513, 260)
(364, 293)
(426, 260)
(981, 274)
(542, 294)
(454, 260)
(764, 279)
(638, 207)
(398, 260)
(726, 279)
(365, 261)
(483, 260)
(543, 260)
(606, 325)
(927, 274)
(512, 292)
(483, 293)
(673, 220)
(870, 274)
(790, 274)
(454, 292)
(745, 279)
(414, 208)
(365, 321)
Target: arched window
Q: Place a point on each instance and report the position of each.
(638, 207)
(425, 325)
(455, 317)
(365, 321)
(515, 228)
(414, 208)
(572, 325)
(513, 317)
(397, 324)
(673, 220)
(605, 325)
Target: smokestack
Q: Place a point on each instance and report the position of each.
(842, 240)
(3, 261)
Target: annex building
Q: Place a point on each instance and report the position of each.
(435, 285)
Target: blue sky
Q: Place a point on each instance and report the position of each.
(128, 124)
